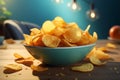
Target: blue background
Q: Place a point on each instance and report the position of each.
(37, 11)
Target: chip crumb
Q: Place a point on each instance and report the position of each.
(20, 74)
(6, 76)
(76, 78)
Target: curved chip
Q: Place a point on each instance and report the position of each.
(96, 61)
(73, 35)
(86, 67)
(50, 40)
(48, 26)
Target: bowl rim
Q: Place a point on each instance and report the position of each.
(87, 45)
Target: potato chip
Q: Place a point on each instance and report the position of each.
(66, 43)
(96, 61)
(59, 22)
(28, 39)
(15, 67)
(104, 49)
(91, 53)
(102, 55)
(99, 54)
(73, 35)
(38, 68)
(18, 56)
(37, 40)
(94, 37)
(86, 67)
(50, 40)
(25, 61)
(34, 31)
(58, 31)
(72, 25)
(87, 29)
(111, 45)
(48, 26)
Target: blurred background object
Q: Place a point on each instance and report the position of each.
(4, 15)
(14, 29)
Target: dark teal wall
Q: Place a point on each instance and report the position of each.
(37, 11)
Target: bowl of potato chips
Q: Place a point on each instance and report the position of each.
(59, 43)
(60, 56)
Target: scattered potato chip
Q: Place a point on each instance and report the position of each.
(38, 68)
(96, 61)
(16, 55)
(101, 55)
(91, 53)
(25, 61)
(110, 45)
(15, 67)
(86, 67)
(104, 49)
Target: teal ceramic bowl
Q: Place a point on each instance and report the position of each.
(60, 56)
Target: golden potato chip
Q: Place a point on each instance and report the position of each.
(86, 67)
(72, 25)
(15, 67)
(34, 31)
(73, 35)
(16, 55)
(104, 49)
(85, 39)
(94, 38)
(28, 39)
(37, 40)
(58, 31)
(65, 43)
(87, 29)
(38, 68)
(96, 61)
(91, 53)
(102, 55)
(50, 40)
(59, 22)
(25, 61)
(111, 45)
(48, 26)
(99, 54)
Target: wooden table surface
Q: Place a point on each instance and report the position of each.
(59, 73)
